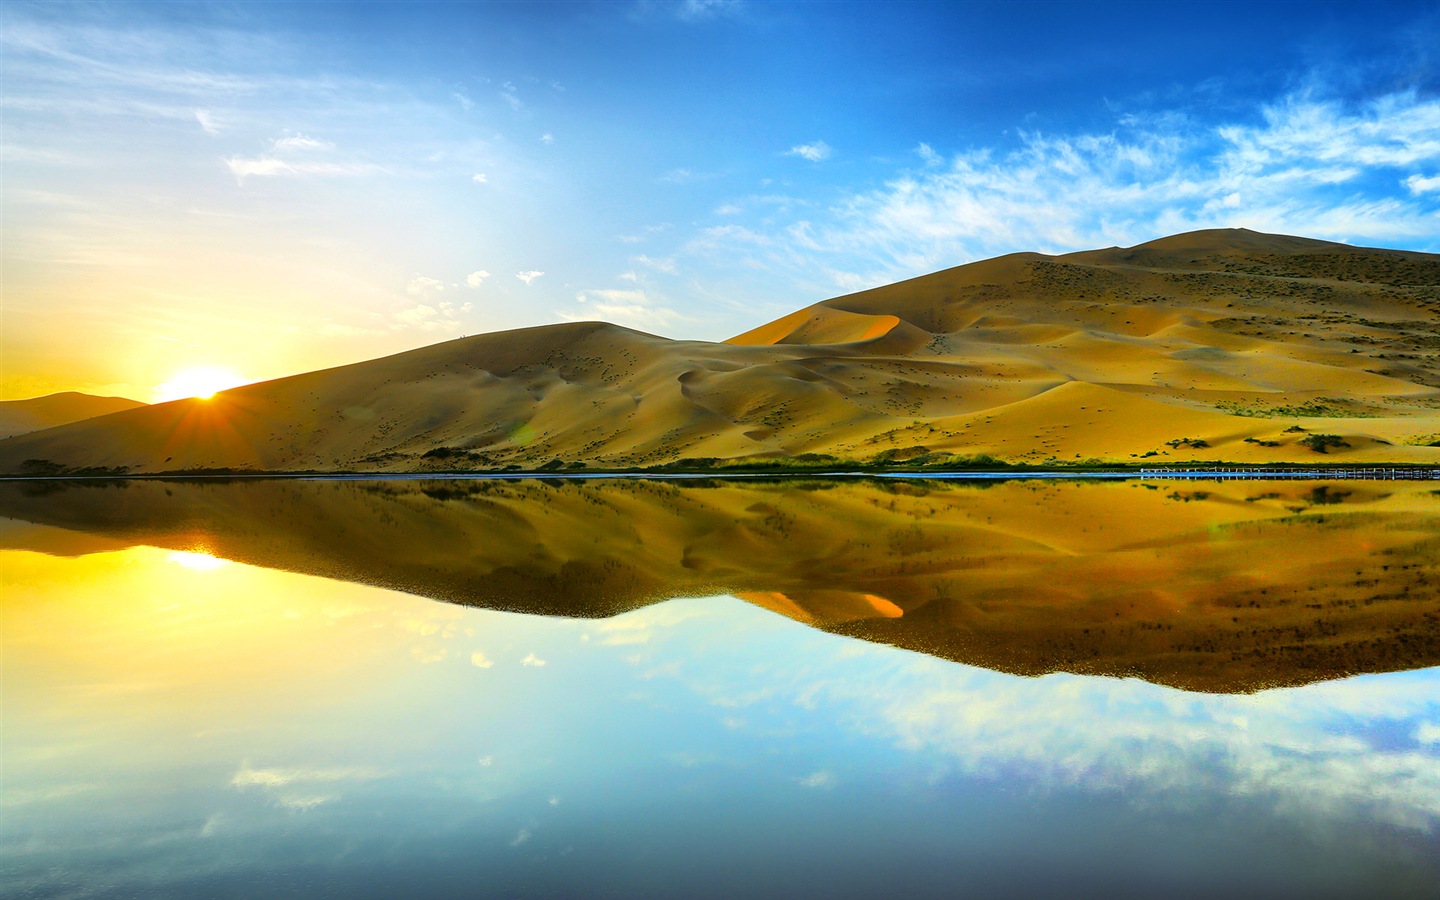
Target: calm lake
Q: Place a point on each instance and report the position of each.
(629, 688)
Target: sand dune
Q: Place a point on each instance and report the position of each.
(36, 414)
(1194, 585)
(1204, 346)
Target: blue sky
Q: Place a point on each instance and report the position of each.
(276, 187)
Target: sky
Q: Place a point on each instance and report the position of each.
(272, 188)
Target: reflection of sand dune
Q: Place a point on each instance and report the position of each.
(1230, 586)
(1221, 337)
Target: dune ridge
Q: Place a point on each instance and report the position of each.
(1214, 345)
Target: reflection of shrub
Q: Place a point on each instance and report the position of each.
(1319, 442)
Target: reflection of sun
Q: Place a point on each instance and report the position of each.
(201, 382)
(201, 562)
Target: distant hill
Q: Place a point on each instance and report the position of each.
(35, 414)
(1213, 345)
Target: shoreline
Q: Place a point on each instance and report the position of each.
(1191, 473)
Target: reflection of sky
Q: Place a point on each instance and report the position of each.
(176, 729)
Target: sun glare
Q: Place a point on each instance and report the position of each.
(201, 382)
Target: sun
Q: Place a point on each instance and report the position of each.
(201, 382)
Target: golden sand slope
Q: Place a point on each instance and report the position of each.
(1222, 587)
(1226, 345)
(25, 416)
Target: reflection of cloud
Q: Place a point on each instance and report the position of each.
(1290, 746)
(521, 837)
(295, 788)
(24, 797)
(247, 776)
(822, 780)
(625, 631)
(1336, 750)
(302, 804)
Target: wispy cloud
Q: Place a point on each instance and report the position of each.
(269, 166)
(424, 286)
(529, 277)
(301, 142)
(816, 152)
(626, 307)
(666, 265)
(1316, 167)
(703, 10)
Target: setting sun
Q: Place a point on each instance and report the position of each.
(201, 382)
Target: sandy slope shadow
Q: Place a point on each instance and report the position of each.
(1226, 587)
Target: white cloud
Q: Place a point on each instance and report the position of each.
(430, 317)
(528, 277)
(928, 155)
(701, 10)
(660, 265)
(480, 178)
(265, 166)
(816, 152)
(1420, 184)
(207, 122)
(532, 660)
(476, 278)
(479, 661)
(422, 286)
(547, 138)
(301, 142)
(465, 102)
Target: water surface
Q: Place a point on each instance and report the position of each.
(217, 690)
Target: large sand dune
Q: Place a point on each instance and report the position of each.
(1215, 345)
